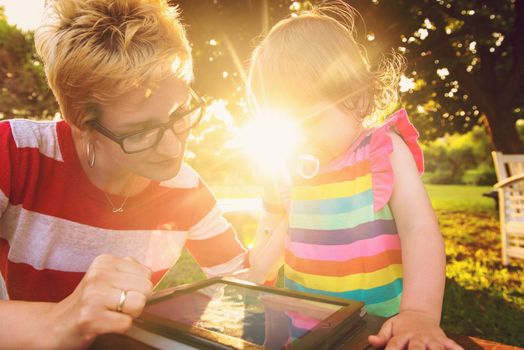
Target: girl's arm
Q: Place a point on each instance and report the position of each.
(267, 255)
(423, 255)
(423, 259)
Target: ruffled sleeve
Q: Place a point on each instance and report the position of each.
(381, 147)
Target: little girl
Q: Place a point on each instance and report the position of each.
(351, 217)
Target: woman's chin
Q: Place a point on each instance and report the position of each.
(162, 172)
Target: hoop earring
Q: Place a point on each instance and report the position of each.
(91, 155)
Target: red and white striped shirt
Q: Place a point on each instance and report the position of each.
(54, 221)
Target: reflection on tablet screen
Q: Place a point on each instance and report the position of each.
(261, 318)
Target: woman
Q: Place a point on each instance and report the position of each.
(95, 208)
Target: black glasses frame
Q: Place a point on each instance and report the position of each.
(200, 103)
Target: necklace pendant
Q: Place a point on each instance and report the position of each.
(120, 209)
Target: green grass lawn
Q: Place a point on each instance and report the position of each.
(456, 197)
(483, 298)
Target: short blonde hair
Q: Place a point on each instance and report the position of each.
(97, 50)
(313, 56)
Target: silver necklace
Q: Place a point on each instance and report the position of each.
(120, 209)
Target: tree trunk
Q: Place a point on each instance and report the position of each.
(503, 132)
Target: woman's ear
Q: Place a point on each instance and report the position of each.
(82, 131)
(92, 113)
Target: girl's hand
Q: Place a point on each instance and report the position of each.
(412, 330)
(91, 309)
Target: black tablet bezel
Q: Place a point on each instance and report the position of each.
(323, 336)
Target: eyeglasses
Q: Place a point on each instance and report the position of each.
(181, 121)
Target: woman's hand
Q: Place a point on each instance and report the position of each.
(412, 330)
(91, 310)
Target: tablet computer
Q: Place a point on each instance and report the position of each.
(224, 313)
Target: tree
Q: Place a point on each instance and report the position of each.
(465, 58)
(23, 87)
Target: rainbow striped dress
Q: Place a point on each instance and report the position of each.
(342, 238)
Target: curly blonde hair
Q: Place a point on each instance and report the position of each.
(313, 56)
(97, 50)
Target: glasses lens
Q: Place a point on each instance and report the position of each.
(141, 141)
(187, 121)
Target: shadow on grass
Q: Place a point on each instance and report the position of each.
(497, 320)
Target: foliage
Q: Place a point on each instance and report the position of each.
(483, 297)
(223, 34)
(464, 61)
(460, 159)
(23, 88)
(520, 129)
(438, 103)
(462, 55)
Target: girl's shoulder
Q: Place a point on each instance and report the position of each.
(398, 123)
(380, 148)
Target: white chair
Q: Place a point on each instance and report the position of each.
(510, 186)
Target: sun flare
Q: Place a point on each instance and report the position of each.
(270, 140)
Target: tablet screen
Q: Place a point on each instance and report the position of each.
(266, 319)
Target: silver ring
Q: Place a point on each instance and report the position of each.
(121, 301)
